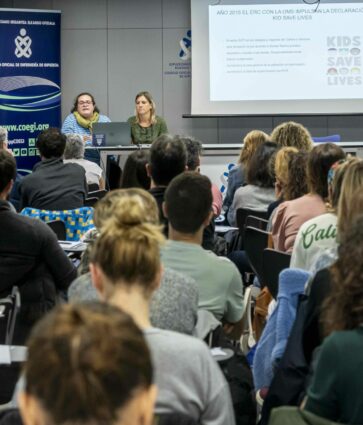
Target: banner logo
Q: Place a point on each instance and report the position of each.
(23, 43)
(186, 44)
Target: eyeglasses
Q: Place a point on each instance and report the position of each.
(85, 102)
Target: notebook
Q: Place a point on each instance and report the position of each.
(111, 134)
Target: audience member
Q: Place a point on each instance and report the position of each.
(335, 391)
(84, 114)
(290, 215)
(236, 175)
(168, 158)
(174, 304)
(292, 134)
(126, 269)
(31, 257)
(259, 191)
(188, 202)
(320, 233)
(74, 153)
(134, 173)
(87, 365)
(53, 185)
(14, 196)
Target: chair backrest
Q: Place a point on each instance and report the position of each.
(90, 202)
(93, 187)
(256, 222)
(99, 194)
(255, 241)
(59, 228)
(9, 308)
(273, 263)
(243, 213)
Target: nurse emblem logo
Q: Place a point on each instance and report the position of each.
(23, 43)
(185, 44)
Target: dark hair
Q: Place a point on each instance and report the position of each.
(75, 103)
(343, 308)
(168, 158)
(259, 169)
(51, 143)
(188, 201)
(296, 185)
(85, 363)
(134, 173)
(7, 168)
(194, 151)
(320, 159)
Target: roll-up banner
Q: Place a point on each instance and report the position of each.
(30, 94)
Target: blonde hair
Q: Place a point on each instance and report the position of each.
(292, 134)
(107, 206)
(149, 98)
(351, 200)
(251, 142)
(127, 249)
(282, 159)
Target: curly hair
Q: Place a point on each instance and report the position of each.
(251, 142)
(280, 164)
(343, 308)
(292, 134)
(296, 185)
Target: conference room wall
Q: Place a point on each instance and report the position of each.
(115, 48)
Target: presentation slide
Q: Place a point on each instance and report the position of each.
(279, 58)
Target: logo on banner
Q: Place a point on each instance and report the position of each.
(23, 43)
(186, 44)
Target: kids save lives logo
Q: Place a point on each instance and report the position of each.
(344, 60)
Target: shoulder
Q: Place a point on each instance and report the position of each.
(132, 120)
(75, 168)
(69, 119)
(160, 119)
(178, 279)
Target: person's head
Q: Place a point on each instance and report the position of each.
(292, 134)
(7, 172)
(87, 364)
(3, 138)
(145, 106)
(296, 185)
(126, 255)
(320, 159)
(251, 142)
(51, 143)
(343, 308)
(168, 158)
(194, 151)
(134, 173)
(281, 164)
(335, 179)
(259, 169)
(188, 203)
(74, 147)
(107, 206)
(349, 204)
(85, 105)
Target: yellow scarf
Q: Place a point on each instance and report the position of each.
(84, 122)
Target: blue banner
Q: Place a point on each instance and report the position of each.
(30, 94)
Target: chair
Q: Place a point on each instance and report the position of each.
(256, 222)
(59, 228)
(242, 215)
(93, 187)
(9, 308)
(334, 138)
(99, 194)
(90, 202)
(273, 263)
(255, 242)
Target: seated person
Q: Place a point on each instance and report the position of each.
(89, 378)
(53, 185)
(336, 388)
(14, 196)
(168, 158)
(293, 134)
(126, 270)
(174, 304)
(74, 153)
(259, 191)
(188, 207)
(134, 173)
(290, 215)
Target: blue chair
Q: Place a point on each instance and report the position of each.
(334, 138)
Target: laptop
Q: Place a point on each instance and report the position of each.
(111, 134)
